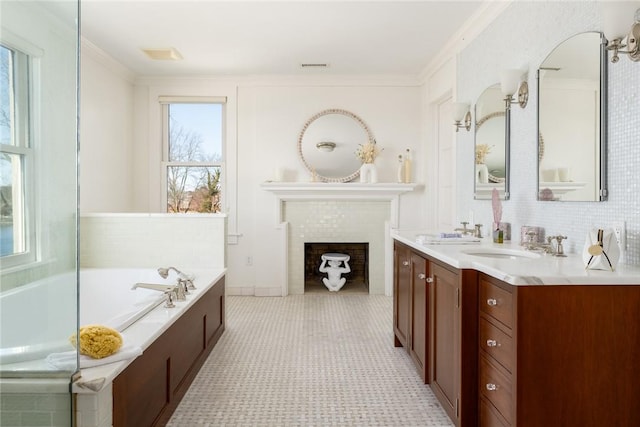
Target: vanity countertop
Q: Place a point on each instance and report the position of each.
(544, 270)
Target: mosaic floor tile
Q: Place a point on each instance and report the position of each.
(309, 360)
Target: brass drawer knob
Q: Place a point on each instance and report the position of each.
(492, 343)
(492, 302)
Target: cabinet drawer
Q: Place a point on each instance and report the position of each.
(495, 387)
(496, 302)
(496, 343)
(488, 416)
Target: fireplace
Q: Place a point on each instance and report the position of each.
(357, 279)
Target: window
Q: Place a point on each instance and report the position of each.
(16, 215)
(193, 161)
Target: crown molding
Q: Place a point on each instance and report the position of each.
(99, 55)
(472, 27)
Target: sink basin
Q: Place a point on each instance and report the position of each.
(501, 253)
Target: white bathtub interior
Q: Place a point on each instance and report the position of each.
(105, 298)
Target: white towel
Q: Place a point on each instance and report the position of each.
(465, 240)
(67, 359)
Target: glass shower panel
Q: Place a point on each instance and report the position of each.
(38, 208)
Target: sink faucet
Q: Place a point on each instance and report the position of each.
(464, 230)
(533, 245)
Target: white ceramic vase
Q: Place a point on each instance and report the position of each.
(482, 173)
(368, 173)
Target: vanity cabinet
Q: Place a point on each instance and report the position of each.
(419, 331)
(435, 317)
(401, 294)
(454, 341)
(558, 355)
(410, 306)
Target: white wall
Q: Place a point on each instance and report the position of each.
(106, 133)
(270, 118)
(263, 121)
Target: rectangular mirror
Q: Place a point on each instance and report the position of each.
(491, 145)
(572, 121)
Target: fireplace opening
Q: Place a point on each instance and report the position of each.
(357, 280)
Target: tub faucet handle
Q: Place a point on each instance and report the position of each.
(169, 302)
(181, 290)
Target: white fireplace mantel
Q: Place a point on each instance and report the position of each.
(286, 191)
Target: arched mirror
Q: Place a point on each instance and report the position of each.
(572, 117)
(328, 142)
(491, 144)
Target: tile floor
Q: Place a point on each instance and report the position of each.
(308, 360)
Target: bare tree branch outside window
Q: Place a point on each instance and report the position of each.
(191, 188)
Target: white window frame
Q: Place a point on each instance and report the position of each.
(25, 93)
(165, 101)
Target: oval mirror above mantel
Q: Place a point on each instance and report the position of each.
(328, 142)
(572, 97)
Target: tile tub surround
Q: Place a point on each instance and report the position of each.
(49, 406)
(309, 360)
(546, 270)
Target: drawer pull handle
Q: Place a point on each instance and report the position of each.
(422, 276)
(492, 343)
(429, 279)
(405, 263)
(492, 302)
(492, 387)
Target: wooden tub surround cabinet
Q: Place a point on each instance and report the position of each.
(527, 355)
(148, 391)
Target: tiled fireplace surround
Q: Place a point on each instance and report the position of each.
(339, 213)
(337, 221)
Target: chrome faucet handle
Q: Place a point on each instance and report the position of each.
(464, 230)
(169, 303)
(478, 232)
(530, 244)
(560, 248)
(181, 291)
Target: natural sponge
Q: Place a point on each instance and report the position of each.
(98, 341)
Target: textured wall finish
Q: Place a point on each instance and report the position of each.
(521, 38)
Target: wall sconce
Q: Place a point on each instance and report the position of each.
(461, 112)
(510, 84)
(326, 146)
(617, 31)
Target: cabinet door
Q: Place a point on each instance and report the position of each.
(418, 336)
(401, 294)
(446, 330)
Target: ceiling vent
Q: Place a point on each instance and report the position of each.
(314, 65)
(163, 54)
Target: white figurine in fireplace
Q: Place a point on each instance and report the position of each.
(334, 282)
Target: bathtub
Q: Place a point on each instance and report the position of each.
(47, 312)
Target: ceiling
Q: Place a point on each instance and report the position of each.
(267, 37)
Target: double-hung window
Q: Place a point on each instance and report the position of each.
(193, 153)
(17, 223)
